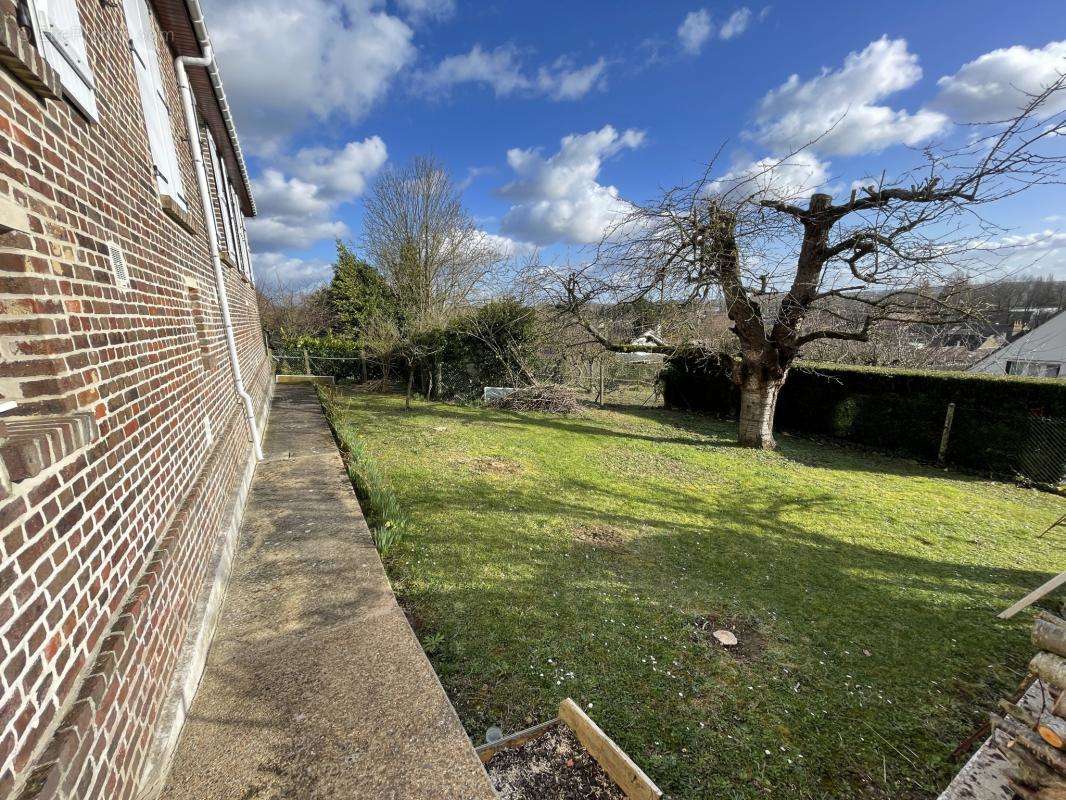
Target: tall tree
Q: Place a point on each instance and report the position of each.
(900, 251)
(425, 244)
(358, 294)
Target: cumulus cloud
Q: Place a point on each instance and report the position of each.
(994, 86)
(342, 61)
(694, 31)
(559, 199)
(277, 269)
(841, 108)
(503, 71)
(697, 28)
(564, 81)
(296, 209)
(736, 24)
(797, 176)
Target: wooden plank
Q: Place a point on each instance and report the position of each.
(629, 777)
(1034, 595)
(489, 749)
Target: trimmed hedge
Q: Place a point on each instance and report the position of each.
(1008, 427)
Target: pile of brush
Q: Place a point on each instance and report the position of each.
(1033, 740)
(549, 397)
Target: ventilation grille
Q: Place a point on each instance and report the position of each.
(209, 435)
(118, 265)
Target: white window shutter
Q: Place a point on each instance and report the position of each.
(221, 185)
(157, 117)
(62, 43)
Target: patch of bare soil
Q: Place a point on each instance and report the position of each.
(599, 534)
(750, 643)
(554, 766)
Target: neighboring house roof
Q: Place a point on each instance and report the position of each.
(649, 337)
(1044, 343)
(182, 20)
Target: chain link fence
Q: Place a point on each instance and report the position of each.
(1024, 446)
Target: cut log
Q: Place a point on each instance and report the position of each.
(1050, 668)
(1021, 735)
(1019, 713)
(1052, 730)
(1025, 768)
(1050, 636)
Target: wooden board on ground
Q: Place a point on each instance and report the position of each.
(489, 749)
(623, 771)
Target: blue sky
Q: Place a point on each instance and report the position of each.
(329, 92)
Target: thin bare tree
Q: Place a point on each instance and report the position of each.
(421, 239)
(772, 252)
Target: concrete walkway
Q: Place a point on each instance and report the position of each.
(315, 686)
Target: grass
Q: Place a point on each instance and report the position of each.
(549, 557)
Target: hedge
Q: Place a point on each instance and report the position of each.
(1007, 427)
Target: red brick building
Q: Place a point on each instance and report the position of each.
(131, 411)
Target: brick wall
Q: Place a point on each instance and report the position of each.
(113, 509)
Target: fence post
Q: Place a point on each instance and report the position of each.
(307, 363)
(599, 395)
(946, 435)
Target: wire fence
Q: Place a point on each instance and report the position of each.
(1022, 446)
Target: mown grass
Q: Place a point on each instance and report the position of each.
(550, 557)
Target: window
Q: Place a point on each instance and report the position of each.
(157, 117)
(236, 240)
(1039, 369)
(57, 31)
(221, 185)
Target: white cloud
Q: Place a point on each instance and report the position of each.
(797, 176)
(506, 246)
(1042, 252)
(296, 210)
(839, 108)
(558, 199)
(736, 24)
(695, 30)
(277, 269)
(563, 81)
(341, 174)
(502, 70)
(287, 66)
(292, 233)
(499, 68)
(425, 10)
(993, 86)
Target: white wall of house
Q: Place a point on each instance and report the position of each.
(1039, 353)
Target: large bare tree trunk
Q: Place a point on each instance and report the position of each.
(758, 401)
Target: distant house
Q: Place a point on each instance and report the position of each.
(647, 339)
(1041, 352)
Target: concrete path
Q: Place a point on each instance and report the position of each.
(315, 686)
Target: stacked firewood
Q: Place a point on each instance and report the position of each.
(1033, 738)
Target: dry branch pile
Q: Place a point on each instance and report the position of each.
(1034, 741)
(549, 397)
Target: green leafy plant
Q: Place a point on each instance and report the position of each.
(387, 522)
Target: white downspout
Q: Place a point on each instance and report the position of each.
(196, 146)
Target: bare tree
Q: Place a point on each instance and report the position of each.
(417, 233)
(288, 313)
(902, 251)
(421, 239)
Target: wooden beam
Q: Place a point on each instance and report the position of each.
(623, 771)
(1034, 595)
(489, 749)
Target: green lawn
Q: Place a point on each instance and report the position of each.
(553, 557)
